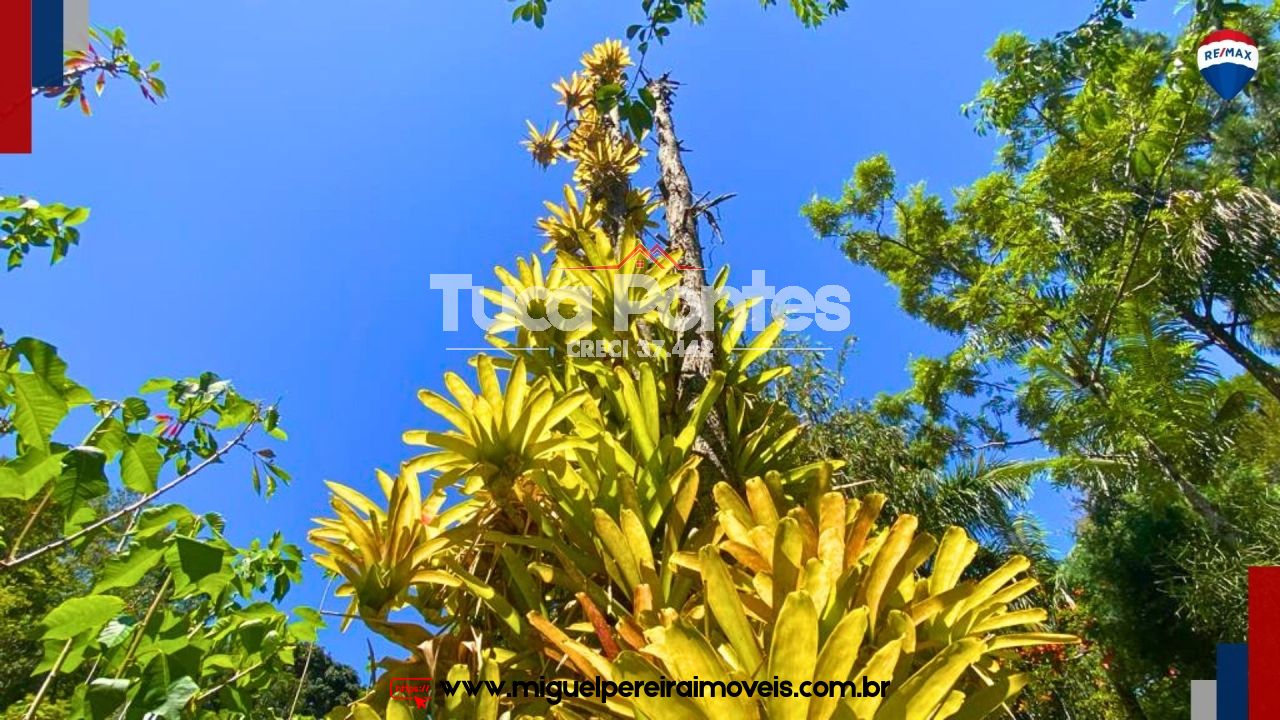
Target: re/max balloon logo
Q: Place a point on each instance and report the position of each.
(1227, 60)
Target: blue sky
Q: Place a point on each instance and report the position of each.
(277, 219)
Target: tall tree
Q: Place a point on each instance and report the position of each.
(1103, 284)
(563, 524)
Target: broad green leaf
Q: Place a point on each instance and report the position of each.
(24, 477)
(191, 561)
(237, 412)
(159, 518)
(159, 695)
(157, 385)
(39, 409)
(127, 570)
(82, 479)
(12, 485)
(45, 363)
(76, 216)
(108, 437)
(80, 614)
(116, 631)
(52, 652)
(105, 696)
(308, 626)
(140, 463)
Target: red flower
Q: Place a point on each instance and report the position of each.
(171, 427)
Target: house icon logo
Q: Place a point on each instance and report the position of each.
(639, 256)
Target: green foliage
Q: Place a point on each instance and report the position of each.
(661, 15)
(1136, 559)
(126, 438)
(1095, 284)
(916, 466)
(108, 56)
(328, 684)
(169, 617)
(67, 580)
(26, 224)
(59, 710)
(202, 635)
(26, 595)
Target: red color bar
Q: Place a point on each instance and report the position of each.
(15, 75)
(1264, 642)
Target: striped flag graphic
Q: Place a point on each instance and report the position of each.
(34, 35)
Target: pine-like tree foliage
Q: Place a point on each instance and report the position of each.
(561, 523)
(1113, 289)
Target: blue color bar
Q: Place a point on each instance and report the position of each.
(1233, 681)
(46, 43)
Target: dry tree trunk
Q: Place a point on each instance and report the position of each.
(701, 342)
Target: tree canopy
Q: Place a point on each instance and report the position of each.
(1113, 291)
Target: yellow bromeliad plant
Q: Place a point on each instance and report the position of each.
(565, 523)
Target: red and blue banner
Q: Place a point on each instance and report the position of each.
(1247, 686)
(34, 37)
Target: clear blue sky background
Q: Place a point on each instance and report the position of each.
(277, 219)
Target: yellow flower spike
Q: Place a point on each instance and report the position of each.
(545, 147)
(639, 214)
(606, 61)
(575, 92)
(604, 161)
(569, 222)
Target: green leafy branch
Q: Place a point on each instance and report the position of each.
(26, 224)
(108, 55)
(232, 645)
(36, 396)
(661, 14)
